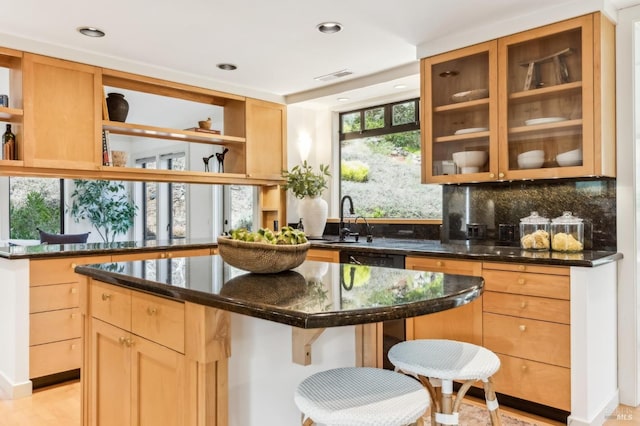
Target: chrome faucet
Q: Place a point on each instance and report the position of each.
(342, 229)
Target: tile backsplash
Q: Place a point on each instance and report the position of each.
(475, 212)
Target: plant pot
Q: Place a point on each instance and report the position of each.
(117, 106)
(313, 212)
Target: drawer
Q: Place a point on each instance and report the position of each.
(111, 304)
(534, 381)
(532, 284)
(52, 297)
(53, 326)
(540, 308)
(57, 271)
(158, 319)
(525, 338)
(51, 358)
(450, 266)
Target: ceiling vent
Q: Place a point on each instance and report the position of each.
(333, 75)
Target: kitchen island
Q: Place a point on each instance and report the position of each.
(592, 287)
(178, 332)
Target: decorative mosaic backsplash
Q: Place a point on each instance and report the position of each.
(475, 212)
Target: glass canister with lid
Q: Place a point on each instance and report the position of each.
(534, 232)
(567, 233)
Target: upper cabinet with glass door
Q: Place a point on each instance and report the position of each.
(460, 115)
(550, 111)
(557, 100)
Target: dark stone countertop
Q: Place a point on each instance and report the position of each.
(489, 253)
(314, 295)
(409, 247)
(88, 249)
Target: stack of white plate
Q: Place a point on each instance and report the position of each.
(531, 159)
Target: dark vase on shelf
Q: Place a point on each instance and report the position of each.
(117, 106)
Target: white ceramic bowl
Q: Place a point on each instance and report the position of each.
(570, 158)
(470, 161)
(537, 153)
(530, 162)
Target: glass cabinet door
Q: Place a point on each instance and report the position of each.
(460, 115)
(546, 85)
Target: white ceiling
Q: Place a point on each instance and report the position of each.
(274, 43)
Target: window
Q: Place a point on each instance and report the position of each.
(164, 211)
(380, 163)
(35, 203)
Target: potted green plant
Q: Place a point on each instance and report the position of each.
(308, 185)
(105, 204)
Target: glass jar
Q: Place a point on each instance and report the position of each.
(534, 232)
(567, 233)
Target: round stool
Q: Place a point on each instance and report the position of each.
(361, 396)
(437, 363)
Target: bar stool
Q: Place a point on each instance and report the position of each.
(437, 363)
(361, 396)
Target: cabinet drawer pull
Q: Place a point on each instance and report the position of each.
(152, 310)
(73, 315)
(439, 263)
(520, 281)
(169, 255)
(73, 347)
(522, 327)
(106, 296)
(523, 367)
(73, 265)
(73, 290)
(122, 340)
(162, 255)
(522, 267)
(523, 304)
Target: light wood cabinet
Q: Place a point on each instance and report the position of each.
(526, 321)
(137, 345)
(266, 136)
(463, 323)
(322, 255)
(62, 114)
(550, 89)
(55, 317)
(153, 360)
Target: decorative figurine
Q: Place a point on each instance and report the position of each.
(206, 162)
(220, 157)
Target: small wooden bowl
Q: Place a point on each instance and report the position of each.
(204, 124)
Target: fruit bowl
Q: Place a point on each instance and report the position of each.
(262, 258)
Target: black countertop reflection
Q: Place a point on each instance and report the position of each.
(88, 249)
(314, 295)
(467, 250)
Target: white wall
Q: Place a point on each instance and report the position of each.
(628, 215)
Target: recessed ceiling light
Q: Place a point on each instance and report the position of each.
(400, 86)
(91, 32)
(329, 27)
(227, 67)
(343, 99)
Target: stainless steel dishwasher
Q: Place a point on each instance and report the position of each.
(393, 331)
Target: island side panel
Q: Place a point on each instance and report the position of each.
(14, 328)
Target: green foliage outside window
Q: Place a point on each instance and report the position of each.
(354, 171)
(35, 212)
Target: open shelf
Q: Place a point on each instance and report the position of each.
(10, 114)
(129, 129)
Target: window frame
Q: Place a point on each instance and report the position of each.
(388, 126)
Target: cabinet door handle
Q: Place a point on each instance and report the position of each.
(73, 315)
(162, 255)
(106, 296)
(152, 310)
(122, 340)
(492, 175)
(73, 347)
(500, 175)
(73, 290)
(169, 255)
(439, 263)
(129, 342)
(522, 327)
(73, 265)
(523, 367)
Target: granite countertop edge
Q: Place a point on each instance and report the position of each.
(432, 248)
(284, 316)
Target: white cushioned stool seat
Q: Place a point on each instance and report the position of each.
(361, 396)
(437, 363)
